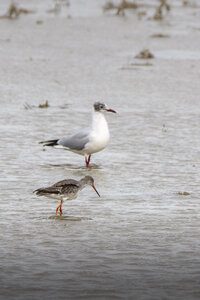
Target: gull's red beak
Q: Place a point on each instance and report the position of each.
(95, 190)
(111, 110)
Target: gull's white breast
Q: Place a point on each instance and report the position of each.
(99, 136)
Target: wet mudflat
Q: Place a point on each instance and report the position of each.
(140, 240)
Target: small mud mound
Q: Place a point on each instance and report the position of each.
(145, 54)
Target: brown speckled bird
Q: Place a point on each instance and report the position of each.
(66, 190)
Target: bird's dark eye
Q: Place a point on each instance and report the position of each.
(101, 106)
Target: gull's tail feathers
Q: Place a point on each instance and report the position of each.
(50, 143)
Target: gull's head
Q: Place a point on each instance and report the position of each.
(102, 107)
(89, 180)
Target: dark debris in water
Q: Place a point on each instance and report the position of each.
(159, 35)
(145, 54)
(125, 5)
(30, 106)
(158, 16)
(14, 11)
(43, 105)
(120, 8)
(183, 193)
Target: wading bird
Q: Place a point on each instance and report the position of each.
(65, 190)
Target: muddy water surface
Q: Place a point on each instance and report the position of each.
(140, 240)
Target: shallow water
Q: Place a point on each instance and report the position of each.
(140, 240)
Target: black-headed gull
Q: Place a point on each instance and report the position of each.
(89, 140)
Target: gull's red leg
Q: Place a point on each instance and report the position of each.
(87, 160)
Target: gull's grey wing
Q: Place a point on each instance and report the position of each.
(76, 141)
